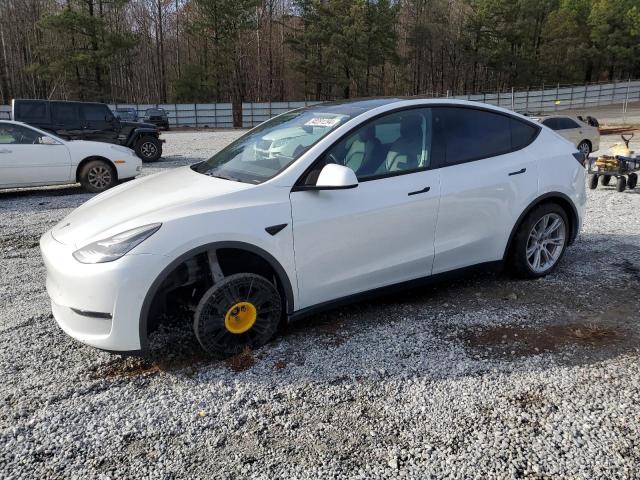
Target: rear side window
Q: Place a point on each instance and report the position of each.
(566, 124)
(31, 112)
(65, 113)
(471, 134)
(522, 134)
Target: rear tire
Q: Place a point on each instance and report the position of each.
(605, 179)
(585, 147)
(97, 176)
(633, 181)
(540, 241)
(622, 184)
(241, 311)
(148, 148)
(593, 181)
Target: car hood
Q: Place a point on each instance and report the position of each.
(150, 199)
(137, 125)
(109, 150)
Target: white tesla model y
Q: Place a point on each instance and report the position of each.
(369, 195)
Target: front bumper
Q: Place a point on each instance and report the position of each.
(130, 169)
(98, 304)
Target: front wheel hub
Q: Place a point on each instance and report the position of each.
(240, 317)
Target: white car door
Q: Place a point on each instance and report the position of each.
(379, 233)
(488, 178)
(570, 130)
(25, 160)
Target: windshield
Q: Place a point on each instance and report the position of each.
(271, 147)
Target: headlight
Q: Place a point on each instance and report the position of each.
(114, 247)
(282, 142)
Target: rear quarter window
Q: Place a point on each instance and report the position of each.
(31, 112)
(522, 134)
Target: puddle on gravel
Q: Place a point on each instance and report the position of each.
(525, 341)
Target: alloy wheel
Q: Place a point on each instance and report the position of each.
(546, 242)
(584, 148)
(148, 149)
(99, 177)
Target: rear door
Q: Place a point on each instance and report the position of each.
(99, 123)
(570, 130)
(25, 161)
(488, 177)
(382, 231)
(66, 120)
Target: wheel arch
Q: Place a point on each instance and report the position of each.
(279, 270)
(552, 197)
(86, 160)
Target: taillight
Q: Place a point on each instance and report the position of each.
(580, 157)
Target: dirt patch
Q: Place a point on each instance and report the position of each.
(525, 341)
(242, 361)
(128, 367)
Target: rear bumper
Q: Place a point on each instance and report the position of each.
(99, 304)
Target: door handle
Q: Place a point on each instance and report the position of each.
(522, 170)
(5, 151)
(424, 190)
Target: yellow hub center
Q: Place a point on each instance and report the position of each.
(240, 317)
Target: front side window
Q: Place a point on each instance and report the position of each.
(390, 145)
(271, 147)
(18, 135)
(470, 134)
(95, 113)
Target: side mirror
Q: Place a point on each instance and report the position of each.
(109, 118)
(335, 177)
(44, 140)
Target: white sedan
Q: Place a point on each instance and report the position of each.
(585, 137)
(388, 193)
(32, 157)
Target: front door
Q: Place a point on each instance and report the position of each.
(100, 124)
(379, 233)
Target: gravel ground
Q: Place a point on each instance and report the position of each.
(481, 378)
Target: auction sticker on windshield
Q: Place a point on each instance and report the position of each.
(323, 122)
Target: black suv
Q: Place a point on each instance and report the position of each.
(157, 116)
(89, 121)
